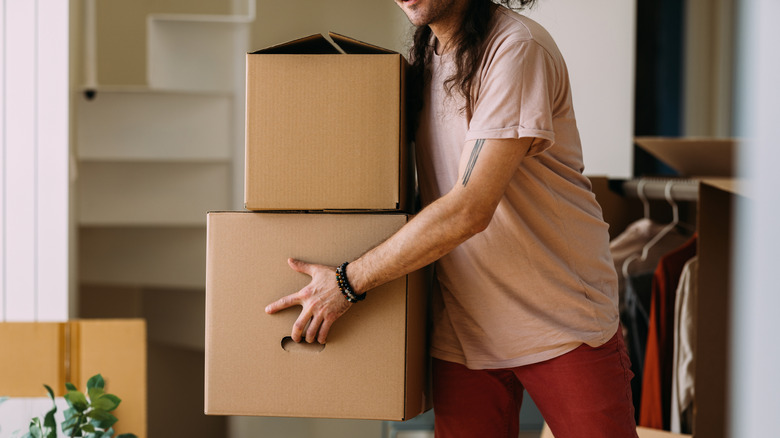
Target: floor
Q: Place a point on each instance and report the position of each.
(418, 434)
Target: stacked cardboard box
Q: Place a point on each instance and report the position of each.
(327, 178)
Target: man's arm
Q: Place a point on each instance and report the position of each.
(486, 168)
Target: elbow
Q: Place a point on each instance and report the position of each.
(477, 220)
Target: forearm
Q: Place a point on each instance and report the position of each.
(434, 232)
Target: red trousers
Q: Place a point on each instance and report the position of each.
(582, 394)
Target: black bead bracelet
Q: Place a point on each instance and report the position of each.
(345, 287)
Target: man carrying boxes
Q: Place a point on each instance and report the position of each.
(526, 294)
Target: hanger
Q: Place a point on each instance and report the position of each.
(640, 191)
(661, 234)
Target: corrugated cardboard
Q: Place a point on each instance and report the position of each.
(718, 201)
(325, 129)
(373, 365)
(709, 157)
(116, 349)
(33, 354)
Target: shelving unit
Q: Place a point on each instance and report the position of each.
(151, 161)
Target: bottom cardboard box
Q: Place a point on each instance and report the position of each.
(373, 365)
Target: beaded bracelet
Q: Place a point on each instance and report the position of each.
(346, 288)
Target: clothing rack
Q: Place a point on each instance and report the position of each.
(680, 189)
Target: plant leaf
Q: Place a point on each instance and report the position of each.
(2, 399)
(104, 419)
(35, 428)
(48, 420)
(70, 413)
(108, 433)
(70, 387)
(108, 402)
(70, 423)
(49, 390)
(95, 393)
(96, 381)
(77, 400)
(88, 428)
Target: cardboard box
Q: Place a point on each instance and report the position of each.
(373, 365)
(325, 127)
(115, 348)
(694, 157)
(33, 354)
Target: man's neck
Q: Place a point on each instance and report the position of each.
(447, 27)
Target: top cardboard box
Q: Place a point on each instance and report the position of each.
(325, 127)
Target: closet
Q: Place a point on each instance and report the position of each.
(708, 205)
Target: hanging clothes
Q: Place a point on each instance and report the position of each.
(683, 362)
(655, 405)
(633, 239)
(635, 319)
(635, 290)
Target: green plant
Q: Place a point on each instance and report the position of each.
(88, 416)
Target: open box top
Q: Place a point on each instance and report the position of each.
(319, 45)
(694, 157)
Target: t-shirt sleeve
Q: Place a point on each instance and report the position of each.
(515, 96)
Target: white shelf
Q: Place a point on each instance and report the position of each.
(141, 124)
(143, 257)
(151, 194)
(195, 54)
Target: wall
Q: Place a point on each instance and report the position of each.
(597, 39)
(121, 34)
(34, 120)
(755, 385)
(708, 68)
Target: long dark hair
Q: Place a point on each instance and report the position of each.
(469, 49)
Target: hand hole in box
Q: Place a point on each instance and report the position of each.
(301, 347)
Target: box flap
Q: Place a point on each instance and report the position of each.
(741, 187)
(693, 156)
(353, 46)
(310, 45)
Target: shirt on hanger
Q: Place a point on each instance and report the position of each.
(683, 361)
(655, 406)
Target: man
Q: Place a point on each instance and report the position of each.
(527, 291)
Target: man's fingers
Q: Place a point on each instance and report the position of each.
(300, 326)
(314, 326)
(284, 303)
(300, 266)
(324, 329)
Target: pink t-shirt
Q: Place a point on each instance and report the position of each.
(539, 281)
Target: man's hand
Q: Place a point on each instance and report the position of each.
(321, 300)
